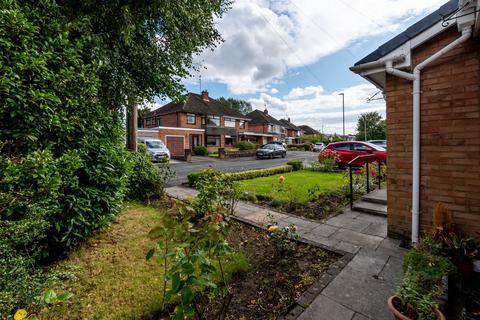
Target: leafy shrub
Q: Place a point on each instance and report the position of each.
(303, 146)
(283, 238)
(194, 177)
(296, 164)
(200, 151)
(146, 181)
(192, 246)
(328, 160)
(422, 283)
(246, 145)
(250, 174)
(63, 169)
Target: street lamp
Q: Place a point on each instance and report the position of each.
(343, 112)
(365, 125)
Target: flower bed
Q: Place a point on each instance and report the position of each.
(273, 282)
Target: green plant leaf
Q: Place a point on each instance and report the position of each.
(187, 296)
(150, 254)
(50, 296)
(65, 296)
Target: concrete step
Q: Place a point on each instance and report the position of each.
(376, 196)
(377, 209)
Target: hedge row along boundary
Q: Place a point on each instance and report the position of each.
(195, 177)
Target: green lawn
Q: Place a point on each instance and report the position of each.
(113, 280)
(299, 182)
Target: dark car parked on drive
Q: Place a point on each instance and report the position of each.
(349, 150)
(271, 150)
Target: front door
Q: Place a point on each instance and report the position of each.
(195, 140)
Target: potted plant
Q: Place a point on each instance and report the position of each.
(417, 297)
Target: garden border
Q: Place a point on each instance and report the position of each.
(316, 288)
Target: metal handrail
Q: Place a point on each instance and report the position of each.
(366, 156)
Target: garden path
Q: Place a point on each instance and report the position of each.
(369, 270)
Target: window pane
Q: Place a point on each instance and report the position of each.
(229, 122)
(213, 140)
(190, 118)
(344, 146)
(213, 121)
(241, 124)
(360, 147)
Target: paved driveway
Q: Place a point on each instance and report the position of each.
(182, 169)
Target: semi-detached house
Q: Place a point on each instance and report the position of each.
(199, 121)
(430, 75)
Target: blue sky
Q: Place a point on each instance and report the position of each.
(294, 55)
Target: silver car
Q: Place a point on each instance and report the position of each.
(157, 150)
(381, 143)
(319, 146)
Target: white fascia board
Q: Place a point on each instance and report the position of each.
(169, 128)
(376, 75)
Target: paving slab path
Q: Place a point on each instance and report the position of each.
(362, 283)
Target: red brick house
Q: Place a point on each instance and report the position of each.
(308, 130)
(201, 120)
(293, 133)
(264, 128)
(430, 75)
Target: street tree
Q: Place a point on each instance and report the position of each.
(239, 105)
(374, 124)
(143, 48)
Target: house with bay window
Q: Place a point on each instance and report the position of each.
(199, 121)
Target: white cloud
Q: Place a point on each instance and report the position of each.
(274, 91)
(323, 109)
(263, 39)
(302, 92)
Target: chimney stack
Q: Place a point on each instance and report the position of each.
(205, 95)
(265, 111)
(289, 119)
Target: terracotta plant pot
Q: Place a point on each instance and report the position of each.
(400, 316)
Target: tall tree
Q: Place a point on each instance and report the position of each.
(142, 113)
(374, 124)
(145, 47)
(241, 106)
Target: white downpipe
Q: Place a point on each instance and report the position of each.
(415, 77)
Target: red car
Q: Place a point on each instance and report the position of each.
(349, 150)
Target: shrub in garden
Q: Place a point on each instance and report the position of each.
(283, 238)
(296, 164)
(242, 175)
(146, 181)
(328, 160)
(63, 169)
(192, 246)
(200, 151)
(422, 283)
(303, 146)
(246, 145)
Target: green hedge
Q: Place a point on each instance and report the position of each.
(246, 145)
(303, 146)
(200, 151)
(242, 175)
(296, 164)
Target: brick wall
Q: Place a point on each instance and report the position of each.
(450, 138)
(258, 128)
